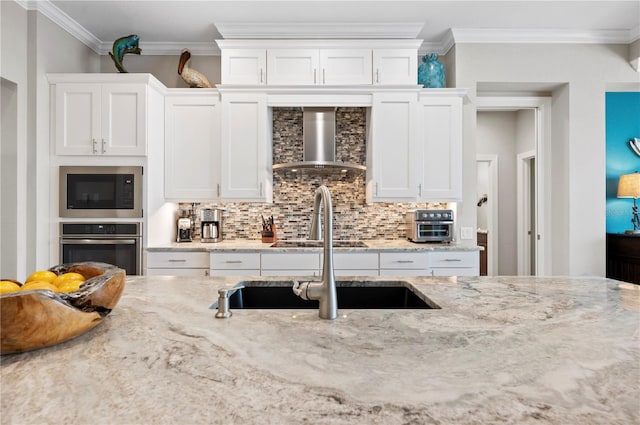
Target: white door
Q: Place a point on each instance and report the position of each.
(395, 66)
(487, 206)
(293, 66)
(246, 151)
(77, 119)
(441, 142)
(345, 66)
(393, 148)
(526, 214)
(123, 119)
(192, 148)
(244, 66)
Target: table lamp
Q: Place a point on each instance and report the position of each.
(629, 187)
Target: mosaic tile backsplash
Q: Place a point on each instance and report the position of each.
(293, 193)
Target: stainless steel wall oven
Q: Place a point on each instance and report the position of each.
(119, 244)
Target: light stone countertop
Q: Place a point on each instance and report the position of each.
(243, 245)
(503, 350)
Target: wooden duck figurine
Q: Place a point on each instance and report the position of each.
(189, 75)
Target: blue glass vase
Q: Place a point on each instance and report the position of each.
(431, 72)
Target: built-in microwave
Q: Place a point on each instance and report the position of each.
(100, 192)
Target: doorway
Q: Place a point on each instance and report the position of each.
(521, 247)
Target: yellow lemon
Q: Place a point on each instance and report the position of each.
(68, 277)
(42, 275)
(7, 286)
(39, 284)
(70, 286)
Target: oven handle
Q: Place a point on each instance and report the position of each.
(98, 241)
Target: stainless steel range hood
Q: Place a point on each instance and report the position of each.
(319, 143)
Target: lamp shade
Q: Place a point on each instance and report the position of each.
(629, 186)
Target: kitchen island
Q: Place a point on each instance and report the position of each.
(512, 350)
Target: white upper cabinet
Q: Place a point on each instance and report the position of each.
(393, 171)
(395, 66)
(440, 117)
(192, 146)
(319, 62)
(293, 66)
(100, 119)
(319, 66)
(244, 66)
(246, 148)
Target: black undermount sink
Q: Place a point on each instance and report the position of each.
(351, 295)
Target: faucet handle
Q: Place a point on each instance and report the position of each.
(300, 289)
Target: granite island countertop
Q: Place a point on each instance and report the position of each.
(515, 350)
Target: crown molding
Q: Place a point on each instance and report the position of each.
(305, 30)
(168, 48)
(63, 20)
(494, 35)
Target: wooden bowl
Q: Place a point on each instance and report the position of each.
(34, 319)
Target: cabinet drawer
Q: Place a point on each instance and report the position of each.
(454, 271)
(291, 272)
(235, 261)
(453, 259)
(177, 272)
(354, 261)
(403, 260)
(235, 272)
(291, 261)
(405, 272)
(177, 260)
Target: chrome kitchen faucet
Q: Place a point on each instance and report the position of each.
(325, 290)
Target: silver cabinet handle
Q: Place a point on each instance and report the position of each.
(420, 189)
(376, 189)
(260, 189)
(377, 75)
(404, 261)
(171, 260)
(452, 259)
(218, 186)
(314, 76)
(323, 76)
(261, 79)
(95, 146)
(103, 144)
(233, 261)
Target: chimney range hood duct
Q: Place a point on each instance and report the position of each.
(319, 143)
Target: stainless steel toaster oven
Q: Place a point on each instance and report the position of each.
(430, 225)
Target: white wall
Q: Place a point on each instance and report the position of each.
(165, 68)
(13, 67)
(581, 74)
(33, 46)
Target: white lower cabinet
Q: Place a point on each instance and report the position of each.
(404, 264)
(354, 263)
(235, 264)
(454, 263)
(290, 264)
(177, 263)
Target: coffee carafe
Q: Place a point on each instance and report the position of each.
(211, 225)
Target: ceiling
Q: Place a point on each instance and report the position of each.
(167, 26)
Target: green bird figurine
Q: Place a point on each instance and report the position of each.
(122, 46)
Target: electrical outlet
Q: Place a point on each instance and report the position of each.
(466, 233)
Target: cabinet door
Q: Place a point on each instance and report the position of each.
(441, 144)
(244, 66)
(246, 151)
(292, 66)
(394, 173)
(395, 66)
(345, 66)
(77, 119)
(192, 148)
(124, 118)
